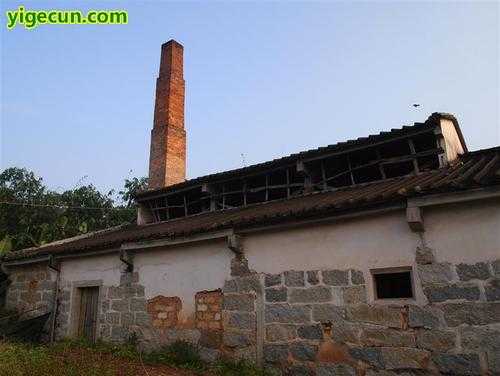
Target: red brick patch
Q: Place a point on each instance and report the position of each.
(209, 310)
(209, 318)
(164, 311)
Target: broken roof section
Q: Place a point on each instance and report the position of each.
(409, 150)
(476, 173)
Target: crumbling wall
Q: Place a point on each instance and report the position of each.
(302, 300)
(311, 322)
(31, 290)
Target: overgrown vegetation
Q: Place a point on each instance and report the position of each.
(32, 215)
(78, 357)
(180, 354)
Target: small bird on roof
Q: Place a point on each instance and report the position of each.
(416, 105)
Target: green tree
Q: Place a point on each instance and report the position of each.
(130, 188)
(32, 215)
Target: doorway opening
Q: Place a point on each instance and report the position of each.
(87, 313)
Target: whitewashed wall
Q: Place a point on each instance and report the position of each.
(183, 271)
(468, 232)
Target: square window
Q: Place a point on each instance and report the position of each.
(393, 283)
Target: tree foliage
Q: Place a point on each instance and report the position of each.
(32, 215)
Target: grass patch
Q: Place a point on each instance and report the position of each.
(82, 358)
(179, 354)
(126, 351)
(26, 360)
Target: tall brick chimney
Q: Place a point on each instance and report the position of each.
(167, 158)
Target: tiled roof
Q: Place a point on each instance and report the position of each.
(472, 170)
(339, 147)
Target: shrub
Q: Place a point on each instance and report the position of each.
(179, 353)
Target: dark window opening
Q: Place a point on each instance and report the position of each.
(277, 178)
(194, 201)
(233, 186)
(295, 177)
(315, 172)
(367, 174)
(393, 170)
(363, 157)
(423, 142)
(393, 285)
(194, 207)
(233, 200)
(277, 194)
(176, 206)
(395, 149)
(430, 162)
(340, 181)
(162, 214)
(176, 212)
(205, 204)
(218, 202)
(256, 182)
(255, 197)
(336, 168)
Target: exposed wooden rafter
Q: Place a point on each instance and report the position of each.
(401, 156)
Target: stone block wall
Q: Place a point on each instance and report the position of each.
(31, 290)
(306, 322)
(241, 307)
(319, 323)
(304, 312)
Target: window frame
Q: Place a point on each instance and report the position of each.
(391, 270)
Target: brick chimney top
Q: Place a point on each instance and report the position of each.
(167, 159)
(171, 61)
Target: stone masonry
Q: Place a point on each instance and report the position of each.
(305, 322)
(319, 323)
(240, 304)
(31, 290)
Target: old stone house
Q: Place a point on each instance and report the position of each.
(371, 257)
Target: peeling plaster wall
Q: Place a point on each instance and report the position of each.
(106, 268)
(183, 271)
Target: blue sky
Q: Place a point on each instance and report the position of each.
(262, 79)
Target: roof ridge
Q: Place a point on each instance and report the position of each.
(351, 142)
